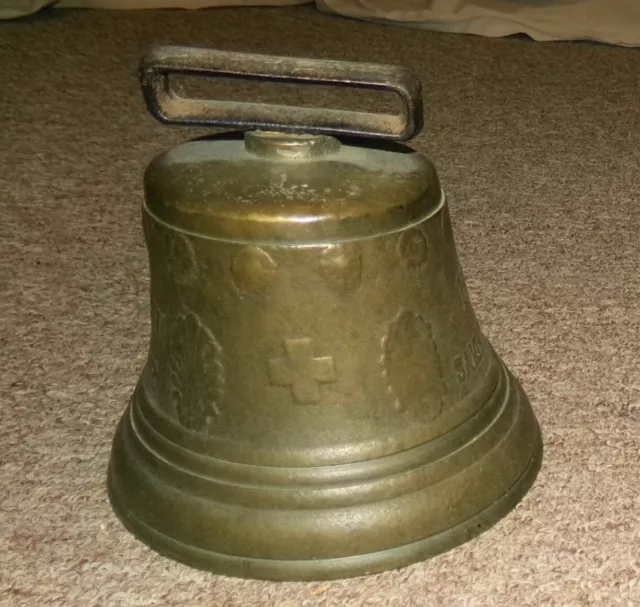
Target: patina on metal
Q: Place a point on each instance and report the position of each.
(319, 399)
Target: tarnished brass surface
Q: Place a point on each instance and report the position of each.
(319, 399)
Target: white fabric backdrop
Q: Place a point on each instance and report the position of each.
(610, 21)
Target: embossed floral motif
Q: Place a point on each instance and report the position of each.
(412, 366)
(413, 248)
(463, 293)
(196, 372)
(341, 266)
(447, 227)
(181, 257)
(157, 351)
(253, 269)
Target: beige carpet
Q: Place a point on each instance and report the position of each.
(538, 146)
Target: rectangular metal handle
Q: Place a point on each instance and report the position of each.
(166, 105)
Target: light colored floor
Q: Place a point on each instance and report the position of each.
(538, 148)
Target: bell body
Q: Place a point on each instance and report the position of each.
(319, 399)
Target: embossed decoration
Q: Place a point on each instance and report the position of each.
(182, 258)
(412, 365)
(341, 266)
(301, 371)
(413, 248)
(468, 361)
(253, 269)
(463, 293)
(196, 372)
(447, 226)
(158, 336)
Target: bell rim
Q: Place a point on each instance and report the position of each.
(325, 569)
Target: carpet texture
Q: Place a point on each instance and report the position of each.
(538, 147)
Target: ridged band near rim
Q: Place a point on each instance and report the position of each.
(337, 568)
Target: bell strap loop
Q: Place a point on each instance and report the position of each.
(166, 105)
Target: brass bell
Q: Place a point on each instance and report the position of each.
(319, 400)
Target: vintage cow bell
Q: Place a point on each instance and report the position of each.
(319, 399)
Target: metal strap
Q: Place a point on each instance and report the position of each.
(167, 106)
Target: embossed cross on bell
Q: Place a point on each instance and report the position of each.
(319, 400)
